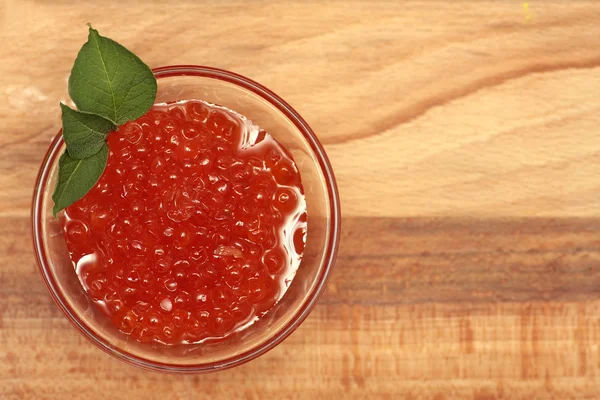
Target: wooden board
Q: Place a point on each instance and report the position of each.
(466, 141)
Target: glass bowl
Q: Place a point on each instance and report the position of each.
(323, 228)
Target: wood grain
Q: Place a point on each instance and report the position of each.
(465, 138)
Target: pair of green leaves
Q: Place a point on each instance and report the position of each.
(110, 86)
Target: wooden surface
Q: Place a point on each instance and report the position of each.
(465, 136)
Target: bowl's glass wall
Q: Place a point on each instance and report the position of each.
(282, 123)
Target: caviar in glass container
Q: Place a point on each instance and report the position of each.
(195, 229)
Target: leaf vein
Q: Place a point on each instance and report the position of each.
(107, 77)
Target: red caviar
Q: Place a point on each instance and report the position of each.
(194, 230)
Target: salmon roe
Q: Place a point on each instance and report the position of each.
(195, 228)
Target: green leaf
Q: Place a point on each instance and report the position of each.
(84, 133)
(77, 177)
(110, 86)
(111, 81)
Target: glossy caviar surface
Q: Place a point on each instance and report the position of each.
(194, 230)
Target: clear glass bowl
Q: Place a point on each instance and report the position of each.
(279, 119)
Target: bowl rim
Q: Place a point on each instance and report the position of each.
(334, 228)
